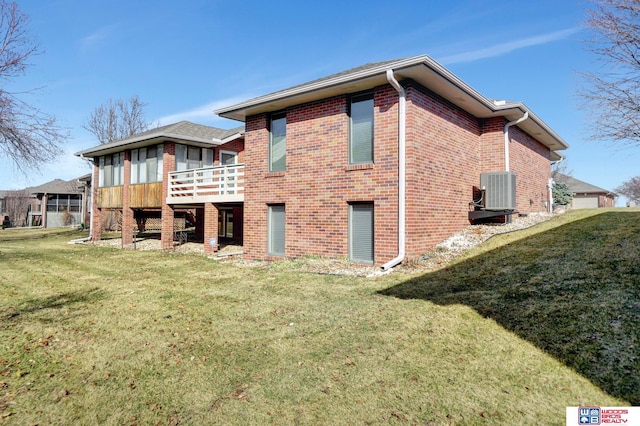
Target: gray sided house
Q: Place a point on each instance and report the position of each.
(56, 204)
(586, 195)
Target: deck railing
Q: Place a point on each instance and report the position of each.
(209, 184)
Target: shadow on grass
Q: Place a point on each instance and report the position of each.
(573, 291)
(57, 301)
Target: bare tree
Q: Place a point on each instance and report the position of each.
(559, 169)
(117, 119)
(16, 206)
(630, 189)
(612, 94)
(28, 136)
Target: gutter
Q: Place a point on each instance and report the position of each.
(506, 138)
(402, 105)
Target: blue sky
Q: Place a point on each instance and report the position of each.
(184, 59)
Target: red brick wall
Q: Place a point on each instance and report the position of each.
(492, 146)
(447, 149)
(210, 227)
(318, 183)
(443, 165)
(235, 145)
(168, 165)
(529, 160)
(127, 213)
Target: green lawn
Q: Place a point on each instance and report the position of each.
(103, 336)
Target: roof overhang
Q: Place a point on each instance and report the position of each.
(153, 139)
(421, 69)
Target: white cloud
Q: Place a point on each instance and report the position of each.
(98, 37)
(204, 113)
(504, 48)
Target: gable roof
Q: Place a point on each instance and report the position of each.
(578, 186)
(182, 131)
(422, 69)
(56, 186)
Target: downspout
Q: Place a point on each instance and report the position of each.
(551, 182)
(402, 107)
(506, 138)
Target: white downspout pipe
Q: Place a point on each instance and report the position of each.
(402, 108)
(551, 182)
(506, 138)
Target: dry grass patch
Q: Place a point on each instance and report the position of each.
(103, 336)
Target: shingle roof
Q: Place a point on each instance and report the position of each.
(56, 186)
(423, 70)
(578, 186)
(355, 70)
(187, 129)
(182, 130)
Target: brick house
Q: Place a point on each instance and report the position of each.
(381, 162)
(162, 178)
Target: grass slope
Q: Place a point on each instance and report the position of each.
(100, 336)
(570, 286)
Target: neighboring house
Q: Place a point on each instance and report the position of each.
(56, 204)
(51, 205)
(383, 161)
(159, 179)
(585, 195)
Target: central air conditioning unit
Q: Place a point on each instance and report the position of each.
(499, 190)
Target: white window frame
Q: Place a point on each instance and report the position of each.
(232, 153)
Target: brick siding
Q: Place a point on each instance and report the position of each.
(447, 149)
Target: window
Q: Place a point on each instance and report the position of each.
(278, 143)
(276, 230)
(361, 232)
(111, 170)
(228, 158)
(146, 164)
(190, 157)
(361, 129)
(63, 202)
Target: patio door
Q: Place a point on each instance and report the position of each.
(225, 223)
